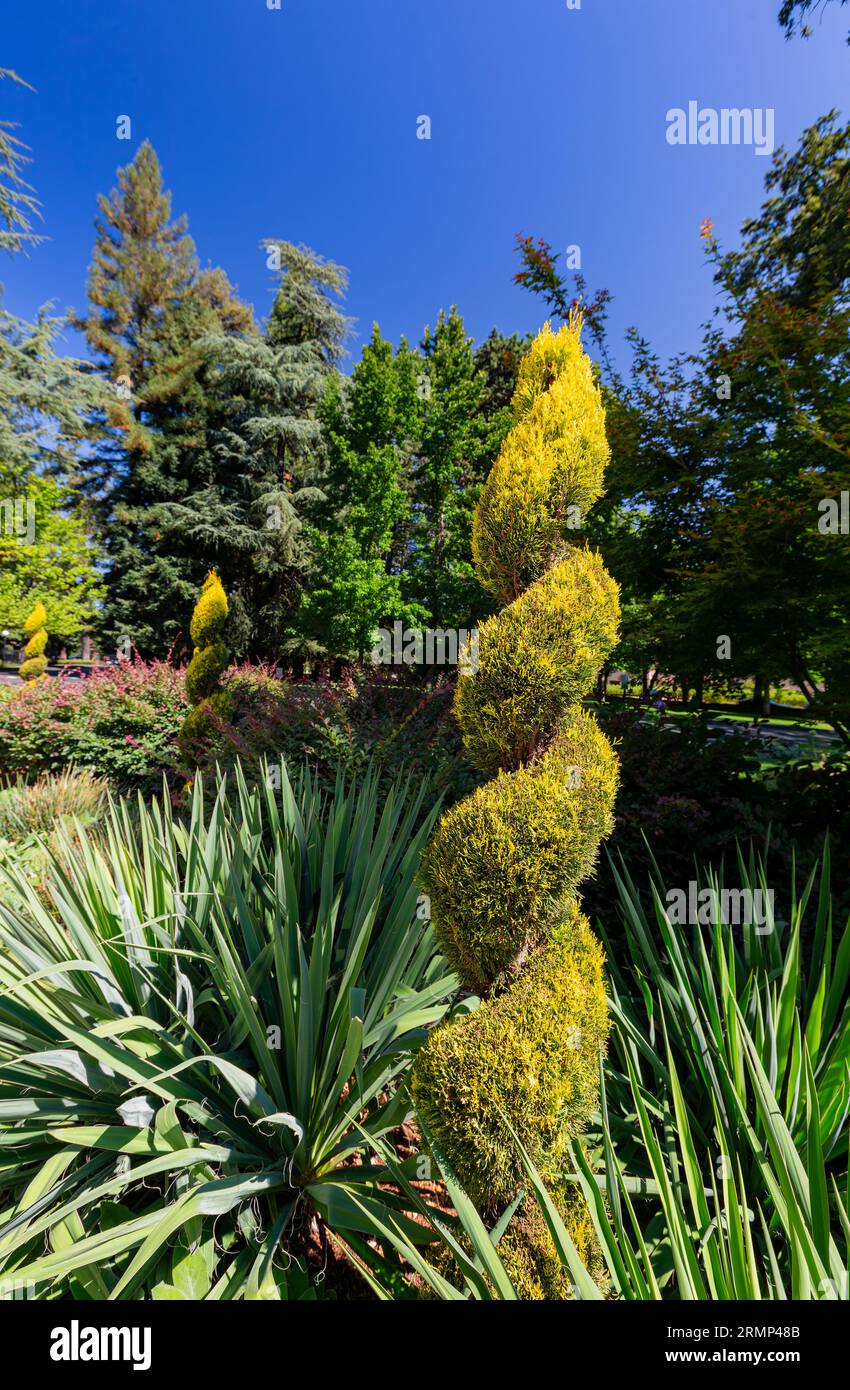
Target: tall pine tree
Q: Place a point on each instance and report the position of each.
(149, 307)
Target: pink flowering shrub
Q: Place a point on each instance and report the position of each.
(121, 723)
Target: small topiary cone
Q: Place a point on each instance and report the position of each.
(503, 866)
(34, 664)
(208, 664)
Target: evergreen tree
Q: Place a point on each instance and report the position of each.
(43, 397)
(264, 459)
(210, 658)
(498, 359)
(149, 308)
(18, 203)
(503, 865)
(143, 265)
(158, 584)
(34, 663)
(304, 313)
(45, 401)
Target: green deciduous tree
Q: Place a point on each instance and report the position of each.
(447, 477)
(50, 558)
(784, 349)
(360, 525)
(723, 460)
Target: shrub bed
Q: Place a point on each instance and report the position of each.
(120, 723)
(687, 792)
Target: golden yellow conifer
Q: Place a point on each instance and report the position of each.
(34, 664)
(503, 866)
(208, 664)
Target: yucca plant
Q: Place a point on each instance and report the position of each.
(200, 1034)
(787, 977)
(694, 1230)
(717, 1168)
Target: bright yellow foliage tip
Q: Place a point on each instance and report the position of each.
(504, 865)
(210, 612)
(550, 469)
(34, 664)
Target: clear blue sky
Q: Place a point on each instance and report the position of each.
(301, 124)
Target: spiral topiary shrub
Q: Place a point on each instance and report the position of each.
(503, 866)
(34, 663)
(204, 672)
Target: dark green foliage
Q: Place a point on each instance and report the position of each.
(215, 452)
(263, 457)
(721, 460)
(148, 305)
